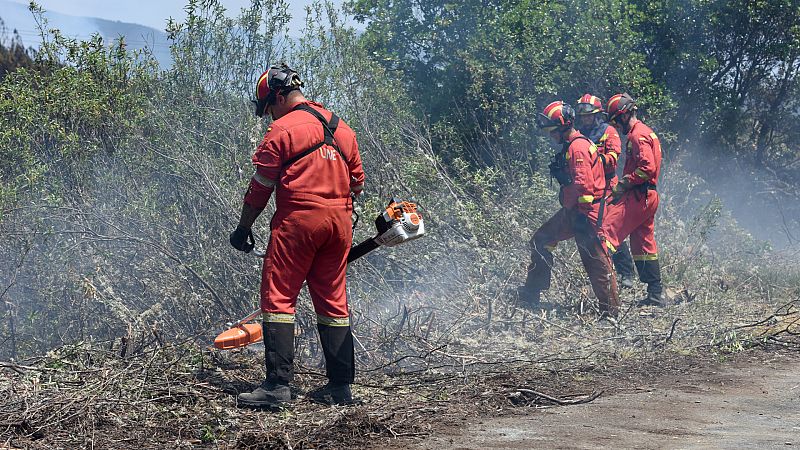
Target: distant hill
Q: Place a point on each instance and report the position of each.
(17, 17)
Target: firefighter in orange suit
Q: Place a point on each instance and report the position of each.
(309, 158)
(579, 170)
(633, 210)
(590, 123)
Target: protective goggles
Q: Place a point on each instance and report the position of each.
(547, 124)
(584, 109)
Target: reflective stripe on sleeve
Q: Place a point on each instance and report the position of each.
(277, 317)
(614, 155)
(640, 173)
(586, 199)
(611, 247)
(262, 180)
(646, 257)
(592, 149)
(333, 321)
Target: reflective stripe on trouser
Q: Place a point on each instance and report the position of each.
(337, 345)
(596, 260)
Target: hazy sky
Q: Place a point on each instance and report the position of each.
(153, 13)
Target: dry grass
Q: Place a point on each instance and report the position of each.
(184, 395)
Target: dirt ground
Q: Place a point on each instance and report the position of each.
(751, 401)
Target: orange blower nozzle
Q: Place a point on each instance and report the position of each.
(239, 336)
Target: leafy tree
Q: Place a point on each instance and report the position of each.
(483, 70)
(12, 52)
(733, 68)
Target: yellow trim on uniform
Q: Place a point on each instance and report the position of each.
(614, 155)
(592, 149)
(640, 173)
(603, 137)
(646, 257)
(333, 321)
(611, 247)
(567, 156)
(277, 317)
(653, 135)
(586, 199)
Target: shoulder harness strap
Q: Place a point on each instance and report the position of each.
(328, 128)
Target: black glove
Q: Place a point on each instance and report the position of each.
(242, 239)
(582, 225)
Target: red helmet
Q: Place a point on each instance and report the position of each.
(588, 104)
(556, 115)
(620, 104)
(276, 80)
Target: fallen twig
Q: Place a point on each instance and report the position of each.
(559, 401)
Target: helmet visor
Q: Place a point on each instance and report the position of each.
(586, 108)
(545, 123)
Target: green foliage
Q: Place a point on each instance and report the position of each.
(482, 70)
(733, 67)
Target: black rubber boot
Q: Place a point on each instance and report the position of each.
(333, 394)
(528, 298)
(650, 273)
(337, 345)
(623, 264)
(271, 394)
(279, 351)
(279, 359)
(653, 299)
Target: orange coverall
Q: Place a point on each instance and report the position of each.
(634, 215)
(580, 197)
(311, 231)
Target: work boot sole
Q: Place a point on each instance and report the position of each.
(324, 401)
(272, 403)
(264, 404)
(651, 303)
(325, 398)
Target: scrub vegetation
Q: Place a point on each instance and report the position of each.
(121, 181)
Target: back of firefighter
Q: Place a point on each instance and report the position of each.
(310, 158)
(590, 115)
(580, 173)
(632, 212)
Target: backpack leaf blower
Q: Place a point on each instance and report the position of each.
(400, 222)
